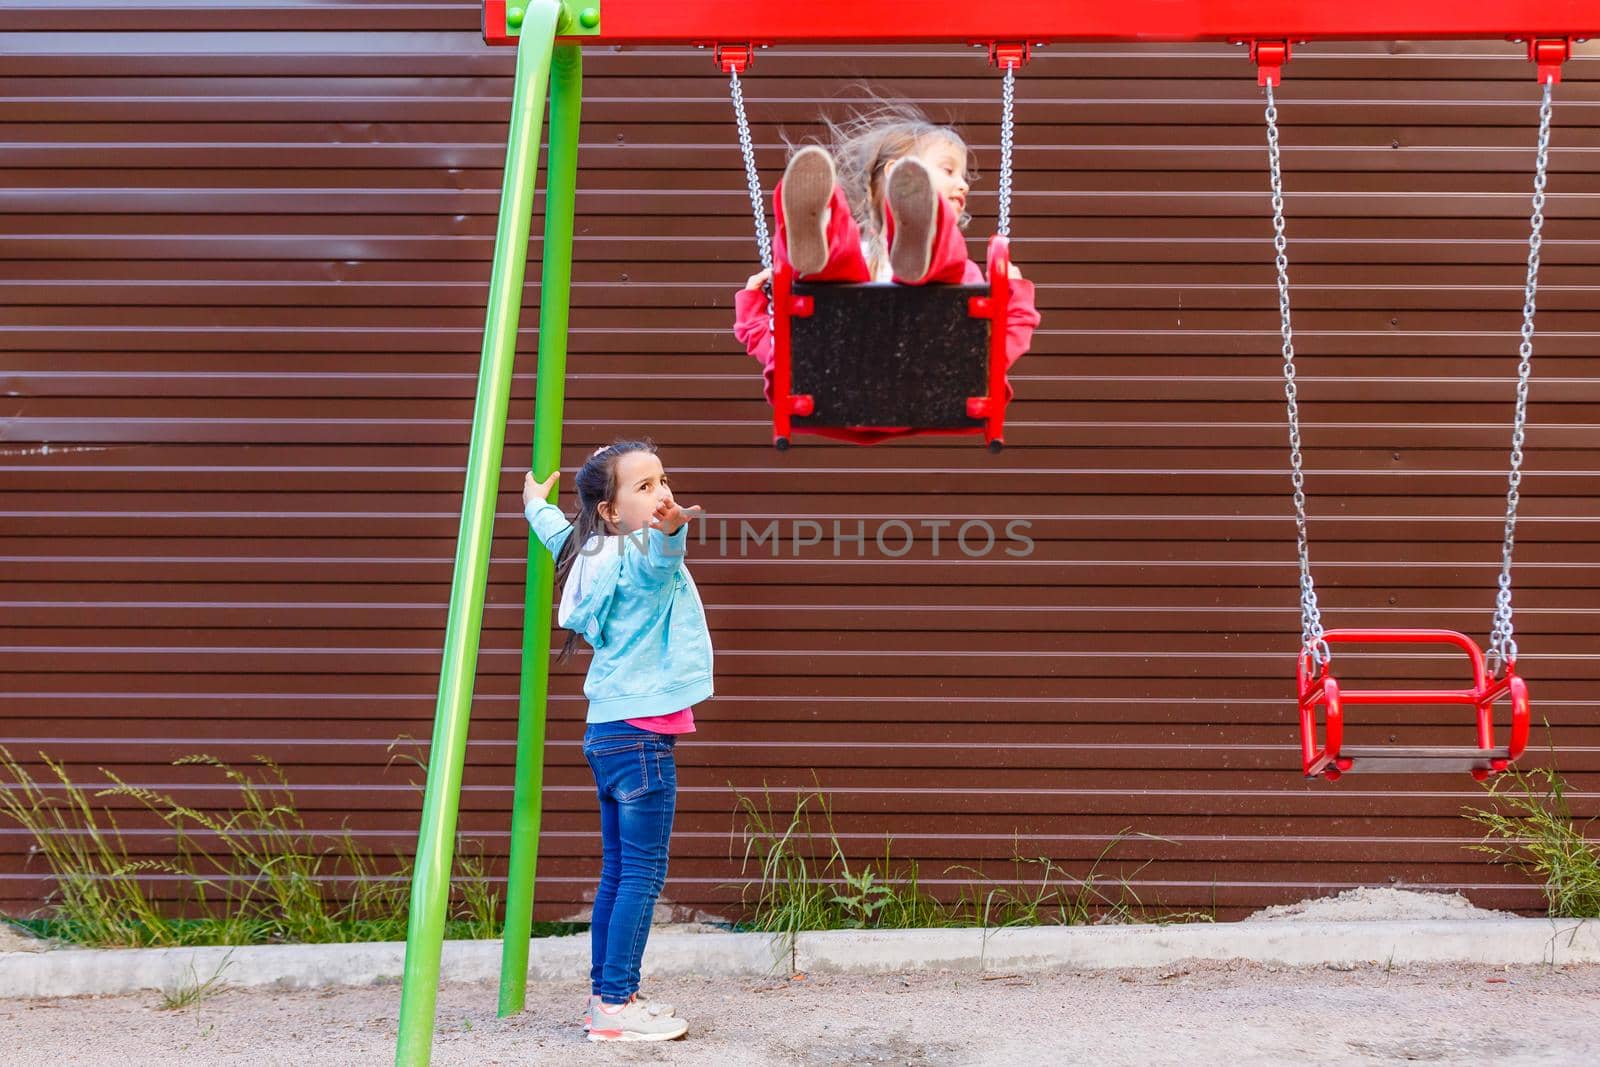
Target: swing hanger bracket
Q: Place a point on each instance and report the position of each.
(1269, 58)
(732, 58)
(1549, 53)
(1009, 55)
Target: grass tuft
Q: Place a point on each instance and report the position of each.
(255, 874)
(799, 878)
(1529, 826)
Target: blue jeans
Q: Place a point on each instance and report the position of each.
(637, 780)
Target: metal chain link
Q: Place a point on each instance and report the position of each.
(752, 179)
(751, 176)
(1502, 643)
(1008, 101)
(1312, 642)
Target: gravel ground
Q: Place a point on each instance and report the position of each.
(1212, 1013)
(1234, 1014)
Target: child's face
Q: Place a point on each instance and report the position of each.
(948, 162)
(641, 487)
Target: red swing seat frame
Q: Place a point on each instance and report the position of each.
(1328, 758)
(990, 407)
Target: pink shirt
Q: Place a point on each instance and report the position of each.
(677, 722)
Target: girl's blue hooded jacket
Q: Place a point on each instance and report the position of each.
(632, 599)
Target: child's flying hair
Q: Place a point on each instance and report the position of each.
(863, 145)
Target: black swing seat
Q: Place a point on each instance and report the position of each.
(895, 359)
(882, 354)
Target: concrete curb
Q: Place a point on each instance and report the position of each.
(78, 972)
(1488, 941)
(70, 972)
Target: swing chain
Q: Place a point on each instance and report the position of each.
(752, 179)
(1312, 641)
(1502, 644)
(1008, 101)
(751, 176)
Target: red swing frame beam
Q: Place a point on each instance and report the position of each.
(1044, 21)
(1321, 689)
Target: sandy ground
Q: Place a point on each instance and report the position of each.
(1228, 1013)
(14, 940)
(1377, 902)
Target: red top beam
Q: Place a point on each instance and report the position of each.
(919, 21)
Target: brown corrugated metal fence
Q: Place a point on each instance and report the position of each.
(244, 258)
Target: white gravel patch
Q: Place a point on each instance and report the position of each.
(1366, 903)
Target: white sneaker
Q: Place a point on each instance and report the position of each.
(655, 1007)
(808, 183)
(633, 1021)
(914, 207)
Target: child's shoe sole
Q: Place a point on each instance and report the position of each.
(640, 1035)
(913, 205)
(807, 188)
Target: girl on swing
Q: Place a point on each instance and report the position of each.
(885, 202)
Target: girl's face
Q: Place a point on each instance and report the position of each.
(642, 487)
(948, 162)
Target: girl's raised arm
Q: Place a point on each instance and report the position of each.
(549, 525)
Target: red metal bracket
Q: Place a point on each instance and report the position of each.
(734, 58)
(496, 30)
(1010, 54)
(1549, 53)
(1269, 58)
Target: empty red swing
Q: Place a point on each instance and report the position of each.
(1493, 677)
(1330, 759)
(939, 351)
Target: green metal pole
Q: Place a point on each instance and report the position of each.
(561, 188)
(430, 883)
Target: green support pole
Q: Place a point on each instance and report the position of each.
(430, 884)
(561, 188)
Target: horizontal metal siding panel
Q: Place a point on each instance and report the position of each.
(241, 343)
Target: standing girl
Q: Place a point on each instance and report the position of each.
(628, 594)
(886, 202)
